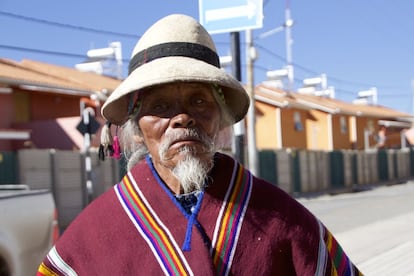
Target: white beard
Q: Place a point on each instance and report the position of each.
(192, 173)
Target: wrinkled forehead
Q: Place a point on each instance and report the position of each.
(169, 90)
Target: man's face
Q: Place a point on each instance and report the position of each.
(177, 120)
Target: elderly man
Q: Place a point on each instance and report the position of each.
(183, 208)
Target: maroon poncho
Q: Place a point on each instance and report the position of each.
(241, 225)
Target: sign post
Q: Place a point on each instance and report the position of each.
(219, 16)
(238, 128)
(88, 126)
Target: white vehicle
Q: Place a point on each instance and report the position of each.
(28, 228)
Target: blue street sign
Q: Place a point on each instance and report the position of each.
(221, 16)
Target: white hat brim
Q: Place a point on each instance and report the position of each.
(175, 69)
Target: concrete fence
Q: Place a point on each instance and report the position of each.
(64, 173)
(295, 171)
(299, 171)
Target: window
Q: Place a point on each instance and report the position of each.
(297, 121)
(343, 124)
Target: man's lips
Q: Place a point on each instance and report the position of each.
(185, 141)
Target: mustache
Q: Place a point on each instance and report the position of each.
(173, 136)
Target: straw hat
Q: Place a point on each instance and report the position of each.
(175, 49)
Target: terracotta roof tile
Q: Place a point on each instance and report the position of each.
(87, 79)
(327, 104)
(43, 74)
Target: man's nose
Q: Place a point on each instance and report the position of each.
(183, 119)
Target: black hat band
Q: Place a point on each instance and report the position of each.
(183, 49)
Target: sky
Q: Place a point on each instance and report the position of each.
(356, 44)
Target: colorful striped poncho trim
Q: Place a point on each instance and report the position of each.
(162, 243)
(243, 225)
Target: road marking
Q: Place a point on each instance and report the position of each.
(396, 261)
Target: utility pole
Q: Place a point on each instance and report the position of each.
(238, 128)
(412, 96)
(288, 71)
(251, 130)
(288, 24)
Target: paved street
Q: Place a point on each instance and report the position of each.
(375, 227)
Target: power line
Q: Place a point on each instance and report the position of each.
(68, 26)
(262, 48)
(81, 28)
(24, 49)
(46, 52)
(258, 67)
(331, 78)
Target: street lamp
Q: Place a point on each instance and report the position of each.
(287, 25)
(275, 77)
(90, 66)
(317, 86)
(96, 58)
(371, 93)
(225, 61)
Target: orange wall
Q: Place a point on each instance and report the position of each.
(21, 102)
(22, 107)
(393, 139)
(266, 132)
(317, 136)
(7, 114)
(49, 106)
(341, 138)
(314, 135)
(266, 124)
(292, 138)
(6, 110)
(366, 123)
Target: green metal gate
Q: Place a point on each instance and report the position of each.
(336, 160)
(8, 168)
(383, 165)
(268, 166)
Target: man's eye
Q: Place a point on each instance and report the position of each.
(198, 101)
(159, 107)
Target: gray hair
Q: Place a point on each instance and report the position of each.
(134, 150)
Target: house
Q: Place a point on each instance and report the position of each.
(302, 121)
(277, 110)
(40, 104)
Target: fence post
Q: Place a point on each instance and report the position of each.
(8, 168)
(296, 177)
(337, 169)
(411, 161)
(268, 166)
(382, 165)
